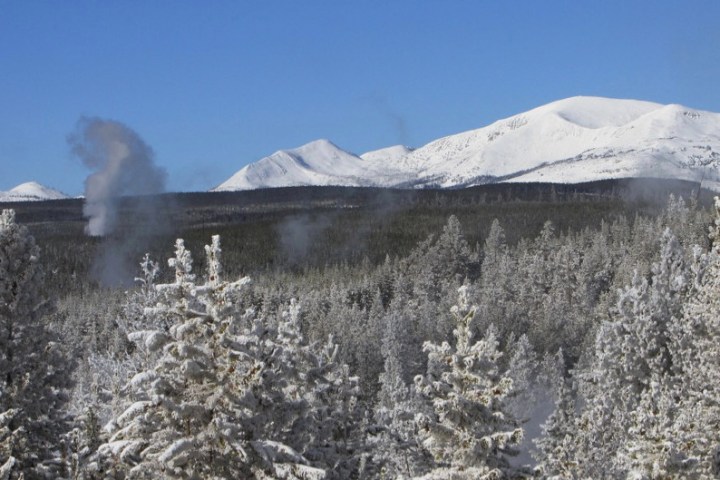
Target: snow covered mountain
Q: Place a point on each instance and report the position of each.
(31, 191)
(572, 140)
(318, 163)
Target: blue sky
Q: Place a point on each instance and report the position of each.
(212, 86)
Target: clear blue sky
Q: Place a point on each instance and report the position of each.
(212, 86)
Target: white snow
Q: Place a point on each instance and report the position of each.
(31, 191)
(572, 140)
(390, 155)
(317, 163)
(577, 139)
(132, 411)
(176, 448)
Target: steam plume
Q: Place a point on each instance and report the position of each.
(122, 164)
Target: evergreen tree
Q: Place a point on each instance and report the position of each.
(495, 245)
(214, 402)
(397, 452)
(522, 370)
(556, 453)
(631, 350)
(329, 430)
(696, 427)
(656, 448)
(497, 284)
(439, 265)
(470, 433)
(33, 367)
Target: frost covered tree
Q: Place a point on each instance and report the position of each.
(33, 368)
(688, 221)
(208, 405)
(328, 427)
(522, 370)
(102, 373)
(439, 265)
(596, 271)
(231, 393)
(534, 392)
(556, 447)
(695, 433)
(470, 432)
(397, 451)
(563, 317)
(634, 348)
(498, 283)
(630, 349)
(656, 448)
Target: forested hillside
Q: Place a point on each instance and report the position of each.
(527, 333)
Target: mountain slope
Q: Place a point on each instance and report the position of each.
(317, 163)
(31, 191)
(578, 139)
(572, 140)
(386, 155)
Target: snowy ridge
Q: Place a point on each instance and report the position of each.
(31, 191)
(317, 163)
(573, 140)
(390, 154)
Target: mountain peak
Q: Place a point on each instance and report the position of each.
(321, 146)
(388, 155)
(597, 112)
(31, 191)
(319, 162)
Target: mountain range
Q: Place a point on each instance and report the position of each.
(577, 139)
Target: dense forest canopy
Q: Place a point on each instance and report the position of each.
(528, 331)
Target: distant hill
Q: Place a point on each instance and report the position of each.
(31, 191)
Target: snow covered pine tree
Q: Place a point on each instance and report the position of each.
(231, 395)
(194, 413)
(694, 438)
(34, 382)
(471, 433)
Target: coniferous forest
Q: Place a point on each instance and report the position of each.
(496, 332)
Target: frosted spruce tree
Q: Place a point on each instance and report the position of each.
(655, 447)
(105, 370)
(630, 349)
(523, 371)
(555, 453)
(215, 401)
(397, 451)
(695, 435)
(327, 428)
(470, 432)
(497, 282)
(439, 265)
(33, 368)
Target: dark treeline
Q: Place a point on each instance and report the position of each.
(301, 227)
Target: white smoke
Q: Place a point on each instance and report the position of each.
(123, 165)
